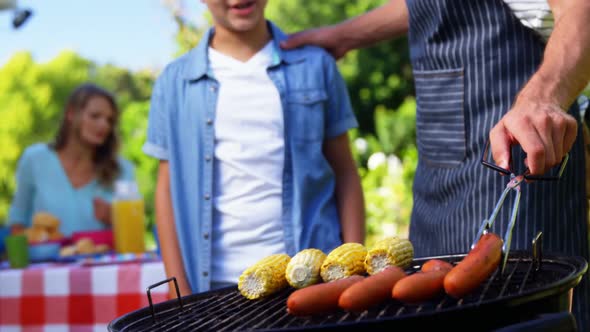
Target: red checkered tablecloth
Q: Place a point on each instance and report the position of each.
(53, 297)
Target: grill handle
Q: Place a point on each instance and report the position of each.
(538, 251)
(149, 294)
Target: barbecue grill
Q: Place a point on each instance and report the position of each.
(531, 286)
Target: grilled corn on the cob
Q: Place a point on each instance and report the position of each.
(389, 251)
(304, 268)
(265, 277)
(344, 261)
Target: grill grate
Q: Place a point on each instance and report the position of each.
(227, 310)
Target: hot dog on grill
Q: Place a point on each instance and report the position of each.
(476, 267)
(436, 265)
(319, 298)
(371, 291)
(420, 286)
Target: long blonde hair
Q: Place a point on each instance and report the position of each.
(105, 156)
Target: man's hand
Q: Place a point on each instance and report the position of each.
(543, 130)
(102, 210)
(537, 120)
(325, 37)
(388, 21)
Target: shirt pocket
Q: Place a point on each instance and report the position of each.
(306, 114)
(440, 118)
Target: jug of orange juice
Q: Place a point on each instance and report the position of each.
(128, 218)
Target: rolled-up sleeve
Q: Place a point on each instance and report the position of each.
(20, 209)
(156, 144)
(340, 116)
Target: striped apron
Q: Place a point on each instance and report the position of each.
(470, 58)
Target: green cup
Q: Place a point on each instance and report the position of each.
(17, 250)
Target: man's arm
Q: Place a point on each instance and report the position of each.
(385, 22)
(349, 193)
(566, 66)
(537, 120)
(168, 238)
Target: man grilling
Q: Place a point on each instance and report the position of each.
(506, 71)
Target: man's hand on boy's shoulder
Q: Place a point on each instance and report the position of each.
(322, 37)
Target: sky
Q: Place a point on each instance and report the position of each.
(133, 34)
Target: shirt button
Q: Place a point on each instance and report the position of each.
(207, 197)
(213, 88)
(207, 158)
(209, 121)
(205, 274)
(206, 236)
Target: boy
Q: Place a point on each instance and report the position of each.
(254, 153)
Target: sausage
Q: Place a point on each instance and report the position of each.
(319, 298)
(420, 286)
(436, 265)
(371, 291)
(475, 268)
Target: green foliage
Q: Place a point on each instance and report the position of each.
(387, 186)
(127, 86)
(387, 162)
(188, 34)
(397, 129)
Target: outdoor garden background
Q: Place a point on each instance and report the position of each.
(379, 81)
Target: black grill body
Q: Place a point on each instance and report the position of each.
(526, 290)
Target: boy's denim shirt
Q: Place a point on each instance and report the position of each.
(316, 107)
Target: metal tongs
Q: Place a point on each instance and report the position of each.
(512, 185)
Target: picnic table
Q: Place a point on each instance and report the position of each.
(77, 295)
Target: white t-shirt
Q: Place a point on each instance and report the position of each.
(535, 14)
(249, 160)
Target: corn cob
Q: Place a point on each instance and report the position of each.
(344, 261)
(389, 251)
(265, 277)
(304, 268)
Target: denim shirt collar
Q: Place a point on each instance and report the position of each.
(197, 64)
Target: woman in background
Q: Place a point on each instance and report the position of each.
(73, 177)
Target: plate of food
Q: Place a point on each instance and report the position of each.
(110, 257)
(43, 236)
(82, 248)
(86, 251)
(45, 251)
